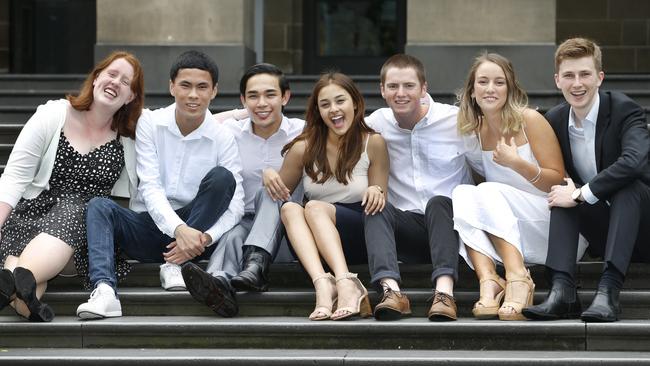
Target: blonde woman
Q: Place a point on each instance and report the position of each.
(505, 219)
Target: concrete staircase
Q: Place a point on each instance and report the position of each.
(170, 328)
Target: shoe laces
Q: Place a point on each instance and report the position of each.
(98, 294)
(440, 297)
(173, 270)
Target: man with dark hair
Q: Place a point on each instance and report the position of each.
(189, 195)
(604, 141)
(264, 91)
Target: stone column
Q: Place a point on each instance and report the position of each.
(447, 34)
(157, 31)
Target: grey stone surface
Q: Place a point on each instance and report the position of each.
(447, 65)
(232, 59)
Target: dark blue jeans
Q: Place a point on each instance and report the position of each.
(138, 236)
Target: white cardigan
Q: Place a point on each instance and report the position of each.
(31, 161)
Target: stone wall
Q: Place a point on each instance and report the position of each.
(283, 34)
(621, 27)
(4, 36)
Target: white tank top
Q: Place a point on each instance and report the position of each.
(499, 173)
(333, 191)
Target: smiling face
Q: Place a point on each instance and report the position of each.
(336, 108)
(402, 91)
(264, 101)
(192, 91)
(490, 88)
(579, 81)
(113, 84)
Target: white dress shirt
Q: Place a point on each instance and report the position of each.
(583, 148)
(426, 161)
(258, 154)
(171, 166)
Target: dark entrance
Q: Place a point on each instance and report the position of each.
(353, 36)
(52, 36)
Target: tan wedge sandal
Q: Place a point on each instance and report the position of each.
(519, 294)
(488, 308)
(363, 305)
(324, 312)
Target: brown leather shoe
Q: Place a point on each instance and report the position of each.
(393, 306)
(443, 307)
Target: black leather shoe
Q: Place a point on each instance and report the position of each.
(26, 290)
(213, 291)
(7, 287)
(604, 308)
(562, 302)
(255, 272)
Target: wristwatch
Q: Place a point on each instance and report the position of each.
(577, 195)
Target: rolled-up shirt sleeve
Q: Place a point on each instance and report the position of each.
(229, 159)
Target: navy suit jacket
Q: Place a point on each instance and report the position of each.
(622, 143)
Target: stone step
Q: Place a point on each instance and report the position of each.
(296, 357)
(152, 301)
(292, 276)
(300, 333)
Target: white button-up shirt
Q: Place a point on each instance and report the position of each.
(583, 148)
(171, 166)
(258, 154)
(426, 161)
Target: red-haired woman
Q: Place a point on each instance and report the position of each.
(343, 165)
(69, 151)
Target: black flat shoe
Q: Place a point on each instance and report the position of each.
(562, 303)
(7, 287)
(26, 290)
(215, 292)
(604, 308)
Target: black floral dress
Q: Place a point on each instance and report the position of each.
(61, 210)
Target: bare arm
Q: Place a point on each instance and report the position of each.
(281, 184)
(374, 199)
(545, 147)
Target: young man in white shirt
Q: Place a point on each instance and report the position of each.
(189, 194)
(427, 160)
(264, 91)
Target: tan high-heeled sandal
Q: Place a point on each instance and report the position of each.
(488, 307)
(519, 294)
(322, 312)
(363, 305)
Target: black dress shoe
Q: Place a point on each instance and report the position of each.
(26, 290)
(215, 292)
(7, 287)
(604, 308)
(562, 303)
(255, 272)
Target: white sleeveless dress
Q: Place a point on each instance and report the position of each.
(508, 206)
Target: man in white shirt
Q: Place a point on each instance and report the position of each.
(189, 195)
(427, 160)
(264, 91)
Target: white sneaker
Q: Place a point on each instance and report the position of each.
(102, 304)
(171, 278)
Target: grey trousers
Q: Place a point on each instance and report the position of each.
(262, 229)
(394, 235)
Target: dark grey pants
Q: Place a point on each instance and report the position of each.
(420, 237)
(619, 232)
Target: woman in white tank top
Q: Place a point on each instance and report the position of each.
(505, 219)
(343, 165)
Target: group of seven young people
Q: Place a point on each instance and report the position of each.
(227, 187)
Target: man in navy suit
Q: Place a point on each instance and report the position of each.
(605, 143)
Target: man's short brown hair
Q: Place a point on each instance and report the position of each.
(403, 61)
(574, 48)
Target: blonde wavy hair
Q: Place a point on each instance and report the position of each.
(470, 115)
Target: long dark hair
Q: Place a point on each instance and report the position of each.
(315, 134)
